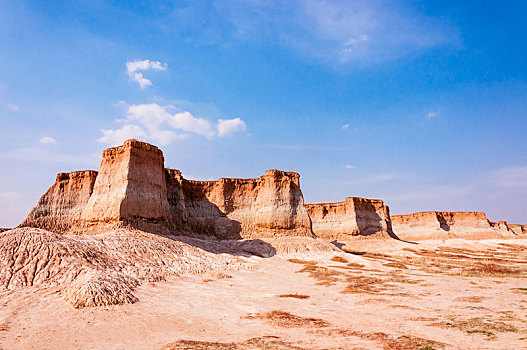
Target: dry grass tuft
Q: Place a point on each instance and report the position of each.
(355, 265)
(287, 320)
(478, 325)
(396, 264)
(300, 261)
(385, 341)
(512, 247)
(407, 342)
(471, 299)
(267, 342)
(296, 296)
(493, 270)
(363, 284)
(340, 259)
(325, 276)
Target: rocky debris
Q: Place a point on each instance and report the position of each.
(445, 224)
(303, 247)
(101, 269)
(354, 217)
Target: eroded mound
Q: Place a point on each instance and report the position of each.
(98, 270)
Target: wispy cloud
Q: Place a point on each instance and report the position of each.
(12, 107)
(348, 166)
(163, 126)
(510, 177)
(370, 179)
(360, 31)
(431, 115)
(46, 155)
(46, 140)
(305, 147)
(345, 126)
(133, 69)
(430, 192)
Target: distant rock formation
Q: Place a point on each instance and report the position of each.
(447, 224)
(354, 217)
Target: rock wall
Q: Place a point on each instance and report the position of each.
(354, 217)
(60, 207)
(445, 224)
(271, 205)
(130, 189)
(133, 189)
(518, 229)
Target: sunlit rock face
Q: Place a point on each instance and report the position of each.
(61, 206)
(447, 224)
(130, 189)
(133, 189)
(361, 217)
(271, 205)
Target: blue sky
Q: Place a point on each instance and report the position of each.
(420, 103)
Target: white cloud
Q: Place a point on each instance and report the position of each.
(44, 155)
(227, 127)
(118, 136)
(133, 68)
(158, 124)
(345, 126)
(46, 140)
(359, 31)
(372, 179)
(348, 166)
(511, 177)
(12, 107)
(9, 196)
(431, 115)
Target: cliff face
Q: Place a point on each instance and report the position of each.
(130, 187)
(134, 189)
(444, 224)
(354, 217)
(61, 206)
(271, 205)
(518, 229)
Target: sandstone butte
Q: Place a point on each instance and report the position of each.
(133, 189)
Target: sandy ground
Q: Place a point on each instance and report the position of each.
(436, 295)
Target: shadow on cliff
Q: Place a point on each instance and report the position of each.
(442, 223)
(246, 248)
(210, 229)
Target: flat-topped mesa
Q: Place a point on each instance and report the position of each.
(130, 189)
(272, 205)
(133, 189)
(60, 207)
(448, 224)
(353, 217)
(518, 229)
